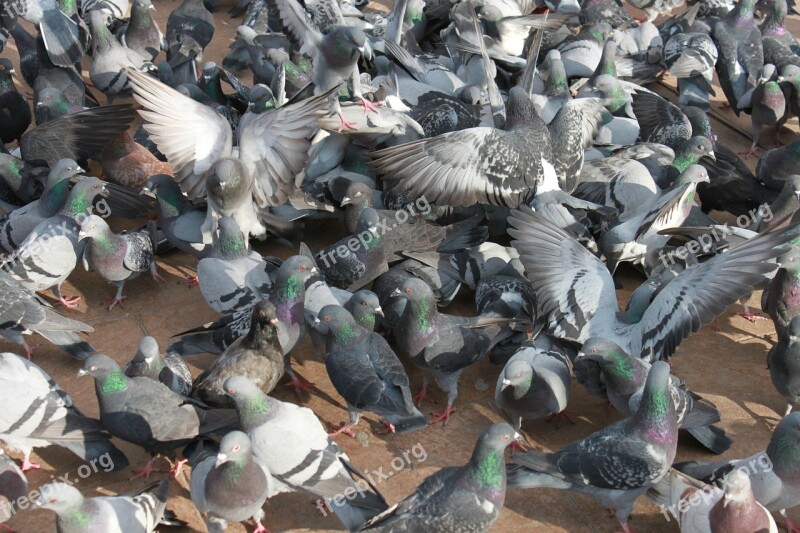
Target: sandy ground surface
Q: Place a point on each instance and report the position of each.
(727, 367)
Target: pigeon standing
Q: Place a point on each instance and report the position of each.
(190, 27)
(256, 356)
(783, 360)
(781, 298)
(367, 373)
(292, 444)
(767, 106)
(456, 498)
(178, 218)
(117, 257)
(142, 35)
(59, 32)
(171, 370)
(617, 464)
(15, 113)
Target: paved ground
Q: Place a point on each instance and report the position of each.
(727, 367)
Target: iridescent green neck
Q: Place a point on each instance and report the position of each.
(489, 469)
(426, 315)
(683, 160)
(77, 203)
(102, 37)
(114, 382)
(621, 366)
(367, 321)
(292, 289)
(523, 387)
(253, 410)
(346, 333)
(232, 244)
(654, 412)
(56, 196)
(6, 83)
(232, 471)
(169, 203)
(76, 517)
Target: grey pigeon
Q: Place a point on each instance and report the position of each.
(617, 464)
(178, 218)
(59, 32)
(534, 383)
(773, 472)
(147, 413)
(117, 257)
(50, 253)
(256, 356)
(783, 360)
(700, 508)
(190, 28)
(653, 325)
(13, 485)
(783, 208)
(232, 276)
(21, 313)
(623, 378)
(171, 369)
(229, 485)
(766, 105)
(142, 35)
(456, 498)
(39, 413)
(776, 165)
(691, 57)
(292, 444)
(779, 299)
(18, 224)
(441, 345)
(364, 306)
(75, 513)
(367, 373)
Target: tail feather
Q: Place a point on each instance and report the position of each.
(61, 38)
(712, 437)
(102, 452)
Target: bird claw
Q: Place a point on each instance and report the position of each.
(260, 528)
(422, 396)
(29, 349)
(749, 153)
(388, 428)
(69, 303)
(369, 106)
(751, 316)
(443, 416)
(194, 281)
(146, 471)
(116, 302)
(27, 464)
(343, 428)
(715, 326)
(346, 124)
(556, 418)
(158, 277)
(300, 385)
(176, 467)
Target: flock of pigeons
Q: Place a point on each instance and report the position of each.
(501, 146)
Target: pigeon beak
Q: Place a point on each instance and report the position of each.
(79, 169)
(82, 235)
(712, 156)
(314, 270)
(797, 195)
(222, 185)
(396, 293)
(345, 201)
(517, 436)
(379, 311)
(151, 7)
(221, 458)
(316, 321)
(82, 372)
(506, 384)
(144, 191)
(39, 104)
(274, 321)
(12, 72)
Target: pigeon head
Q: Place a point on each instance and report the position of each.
(368, 221)
(737, 487)
(6, 68)
(63, 169)
(52, 97)
(252, 404)
(656, 412)
(210, 69)
(497, 437)
(82, 196)
(414, 290)
(260, 98)
(489, 470)
(227, 175)
(691, 151)
(767, 73)
(148, 351)
(357, 193)
(234, 448)
(292, 276)
(364, 305)
(343, 45)
(265, 321)
(790, 73)
(340, 323)
(519, 375)
(168, 194)
(99, 366)
(520, 110)
(58, 497)
(693, 174)
(489, 12)
(93, 227)
(144, 4)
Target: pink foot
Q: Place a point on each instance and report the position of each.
(443, 416)
(422, 396)
(69, 303)
(116, 302)
(753, 151)
(625, 529)
(147, 470)
(343, 428)
(369, 106)
(715, 325)
(517, 446)
(27, 464)
(556, 419)
(193, 281)
(260, 529)
(751, 316)
(300, 385)
(388, 428)
(176, 467)
(4, 527)
(29, 348)
(345, 124)
(156, 276)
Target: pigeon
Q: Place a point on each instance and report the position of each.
(690, 57)
(773, 472)
(700, 508)
(256, 356)
(190, 28)
(232, 276)
(110, 59)
(779, 299)
(50, 253)
(783, 361)
(456, 498)
(126, 162)
(15, 112)
(171, 370)
(559, 268)
(117, 257)
(767, 105)
(783, 208)
(776, 165)
(364, 306)
(39, 413)
(58, 31)
(229, 485)
(178, 218)
(292, 444)
(142, 35)
(141, 512)
(624, 376)
(441, 345)
(17, 225)
(213, 337)
(533, 384)
(22, 313)
(13, 485)
(367, 373)
(617, 464)
(437, 169)
(52, 104)
(28, 54)
(147, 413)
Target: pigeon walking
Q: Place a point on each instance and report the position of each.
(171, 370)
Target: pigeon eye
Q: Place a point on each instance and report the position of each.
(53, 500)
(236, 448)
(594, 350)
(363, 304)
(409, 291)
(231, 391)
(92, 368)
(48, 98)
(2, 67)
(506, 437)
(303, 268)
(327, 319)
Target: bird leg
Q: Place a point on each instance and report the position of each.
(443, 416)
(69, 303)
(298, 382)
(749, 315)
(422, 396)
(715, 325)
(27, 464)
(118, 298)
(194, 281)
(625, 528)
(154, 272)
(176, 467)
(4, 527)
(389, 428)
(260, 528)
(369, 106)
(345, 123)
(29, 349)
(556, 418)
(751, 152)
(344, 427)
(147, 470)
